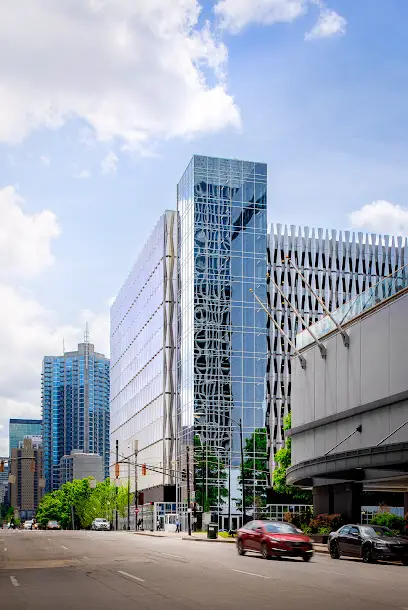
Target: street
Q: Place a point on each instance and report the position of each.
(108, 570)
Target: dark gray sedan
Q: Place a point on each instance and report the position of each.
(370, 542)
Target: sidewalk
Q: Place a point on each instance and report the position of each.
(202, 537)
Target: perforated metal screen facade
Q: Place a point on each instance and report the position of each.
(338, 265)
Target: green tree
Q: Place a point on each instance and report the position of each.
(210, 474)
(85, 502)
(256, 469)
(283, 459)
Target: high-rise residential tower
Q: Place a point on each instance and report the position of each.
(338, 265)
(75, 407)
(222, 330)
(143, 365)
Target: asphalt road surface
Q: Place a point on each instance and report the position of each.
(120, 571)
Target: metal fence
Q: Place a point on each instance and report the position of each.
(368, 512)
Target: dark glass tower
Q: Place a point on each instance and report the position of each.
(75, 408)
(222, 346)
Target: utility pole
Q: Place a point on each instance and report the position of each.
(136, 447)
(242, 475)
(188, 490)
(116, 488)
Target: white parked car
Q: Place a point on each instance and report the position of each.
(28, 525)
(100, 524)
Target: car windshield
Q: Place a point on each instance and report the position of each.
(376, 530)
(100, 520)
(53, 523)
(281, 528)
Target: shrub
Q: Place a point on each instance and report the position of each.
(331, 522)
(394, 522)
(292, 518)
(306, 529)
(324, 531)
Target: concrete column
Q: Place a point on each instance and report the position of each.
(347, 500)
(323, 499)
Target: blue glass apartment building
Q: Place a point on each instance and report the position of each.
(20, 428)
(75, 408)
(222, 337)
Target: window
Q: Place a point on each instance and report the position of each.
(344, 530)
(354, 531)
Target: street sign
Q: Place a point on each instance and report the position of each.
(137, 510)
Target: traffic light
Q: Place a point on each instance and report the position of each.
(32, 466)
(2, 466)
(117, 470)
(144, 470)
(184, 475)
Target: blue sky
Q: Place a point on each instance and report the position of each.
(100, 118)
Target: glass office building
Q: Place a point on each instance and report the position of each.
(20, 428)
(222, 348)
(143, 368)
(75, 408)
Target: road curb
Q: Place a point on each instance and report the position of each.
(207, 539)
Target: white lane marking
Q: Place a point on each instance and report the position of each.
(14, 581)
(250, 573)
(85, 557)
(64, 547)
(332, 572)
(5, 548)
(170, 555)
(130, 576)
(49, 539)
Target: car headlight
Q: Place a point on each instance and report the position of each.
(380, 544)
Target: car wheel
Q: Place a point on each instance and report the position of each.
(264, 551)
(307, 557)
(405, 561)
(368, 554)
(240, 547)
(334, 551)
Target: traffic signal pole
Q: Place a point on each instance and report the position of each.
(188, 491)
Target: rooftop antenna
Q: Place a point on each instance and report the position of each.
(86, 339)
(63, 345)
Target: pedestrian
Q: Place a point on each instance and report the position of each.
(158, 525)
(178, 528)
(139, 524)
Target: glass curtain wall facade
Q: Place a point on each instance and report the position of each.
(75, 408)
(222, 330)
(338, 265)
(20, 428)
(143, 369)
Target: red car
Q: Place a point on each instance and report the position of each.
(274, 538)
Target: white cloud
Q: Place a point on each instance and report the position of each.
(136, 71)
(329, 24)
(28, 331)
(84, 174)
(236, 14)
(45, 161)
(25, 240)
(381, 217)
(109, 164)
